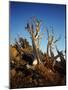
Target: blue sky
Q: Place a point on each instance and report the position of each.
(50, 14)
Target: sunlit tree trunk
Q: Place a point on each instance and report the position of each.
(35, 49)
(34, 34)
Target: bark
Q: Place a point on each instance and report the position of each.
(34, 41)
(35, 49)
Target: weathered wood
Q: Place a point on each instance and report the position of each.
(34, 34)
(48, 74)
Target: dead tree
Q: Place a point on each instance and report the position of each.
(34, 29)
(51, 44)
(60, 66)
(50, 41)
(60, 54)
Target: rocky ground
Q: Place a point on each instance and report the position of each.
(22, 77)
